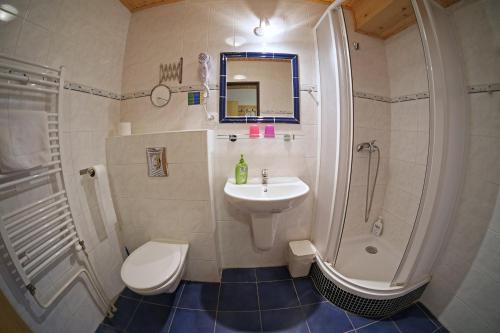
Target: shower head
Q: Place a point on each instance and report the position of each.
(371, 146)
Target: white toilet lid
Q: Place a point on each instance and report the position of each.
(151, 265)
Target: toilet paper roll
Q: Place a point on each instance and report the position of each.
(125, 128)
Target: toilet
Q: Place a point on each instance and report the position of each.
(155, 267)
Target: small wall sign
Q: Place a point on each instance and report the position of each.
(157, 162)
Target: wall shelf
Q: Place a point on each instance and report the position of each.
(287, 137)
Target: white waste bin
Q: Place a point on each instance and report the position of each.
(300, 257)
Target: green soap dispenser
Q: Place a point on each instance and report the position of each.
(241, 171)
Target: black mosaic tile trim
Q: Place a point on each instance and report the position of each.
(372, 308)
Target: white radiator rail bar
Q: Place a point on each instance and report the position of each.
(50, 254)
(37, 221)
(29, 178)
(32, 205)
(25, 70)
(53, 257)
(28, 88)
(24, 218)
(68, 224)
(39, 233)
(28, 79)
(32, 254)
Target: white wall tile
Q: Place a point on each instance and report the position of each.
(63, 32)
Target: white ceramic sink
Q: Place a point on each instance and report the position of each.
(281, 193)
(264, 202)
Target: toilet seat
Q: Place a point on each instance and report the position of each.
(154, 267)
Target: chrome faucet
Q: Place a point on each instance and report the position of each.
(265, 176)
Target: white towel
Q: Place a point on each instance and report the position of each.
(104, 198)
(24, 140)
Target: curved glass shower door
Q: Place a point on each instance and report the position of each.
(391, 135)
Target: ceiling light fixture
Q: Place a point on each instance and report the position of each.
(260, 31)
(7, 12)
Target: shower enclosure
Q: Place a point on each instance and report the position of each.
(390, 156)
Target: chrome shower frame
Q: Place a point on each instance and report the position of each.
(447, 150)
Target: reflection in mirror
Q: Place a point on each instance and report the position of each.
(243, 99)
(259, 87)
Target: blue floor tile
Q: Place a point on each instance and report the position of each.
(200, 296)
(106, 329)
(193, 321)
(150, 318)
(126, 308)
(307, 292)
(164, 299)
(193, 309)
(383, 326)
(130, 294)
(359, 321)
(238, 297)
(278, 294)
(429, 314)
(273, 273)
(413, 320)
(239, 275)
(284, 321)
(232, 322)
(326, 317)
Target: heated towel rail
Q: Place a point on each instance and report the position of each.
(43, 231)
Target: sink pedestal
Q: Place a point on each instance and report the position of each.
(264, 228)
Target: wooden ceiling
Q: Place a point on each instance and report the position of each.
(136, 5)
(381, 18)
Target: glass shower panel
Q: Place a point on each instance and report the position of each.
(391, 134)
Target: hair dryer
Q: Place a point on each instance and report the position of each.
(204, 71)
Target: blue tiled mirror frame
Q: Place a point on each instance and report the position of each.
(224, 56)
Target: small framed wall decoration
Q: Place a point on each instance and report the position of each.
(157, 162)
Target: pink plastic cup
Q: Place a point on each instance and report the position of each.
(254, 131)
(269, 131)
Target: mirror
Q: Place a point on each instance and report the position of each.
(259, 87)
(160, 95)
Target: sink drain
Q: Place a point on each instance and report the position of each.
(371, 249)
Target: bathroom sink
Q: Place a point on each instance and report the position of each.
(281, 193)
(265, 202)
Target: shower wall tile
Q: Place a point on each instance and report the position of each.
(372, 121)
(406, 63)
(367, 77)
(469, 256)
(408, 143)
(176, 207)
(396, 231)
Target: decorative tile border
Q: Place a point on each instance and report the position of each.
(173, 89)
(398, 99)
(366, 307)
(91, 90)
(481, 88)
(145, 93)
(473, 89)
